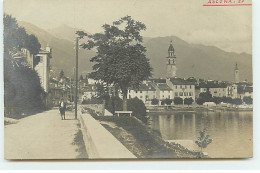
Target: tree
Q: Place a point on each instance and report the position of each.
(188, 101)
(206, 96)
(155, 101)
(23, 91)
(203, 140)
(61, 74)
(216, 100)
(168, 101)
(237, 101)
(120, 58)
(227, 100)
(200, 101)
(248, 100)
(178, 101)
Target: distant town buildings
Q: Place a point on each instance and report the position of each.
(173, 87)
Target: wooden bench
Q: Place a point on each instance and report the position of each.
(123, 112)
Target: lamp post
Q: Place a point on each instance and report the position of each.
(76, 79)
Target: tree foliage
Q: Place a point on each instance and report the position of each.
(23, 91)
(120, 57)
(248, 100)
(188, 101)
(168, 101)
(178, 101)
(203, 140)
(155, 101)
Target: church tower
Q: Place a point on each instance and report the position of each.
(236, 72)
(171, 62)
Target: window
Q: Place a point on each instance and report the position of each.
(141, 92)
(185, 86)
(190, 87)
(135, 91)
(190, 93)
(176, 94)
(185, 94)
(181, 93)
(176, 87)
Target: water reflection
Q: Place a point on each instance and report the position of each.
(231, 131)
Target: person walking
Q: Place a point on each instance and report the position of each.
(62, 108)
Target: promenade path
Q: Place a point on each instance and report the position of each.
(43, 136)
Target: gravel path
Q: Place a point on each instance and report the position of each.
(42, 136)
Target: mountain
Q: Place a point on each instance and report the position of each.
(193, 60)
(64, 32)
(63, 52)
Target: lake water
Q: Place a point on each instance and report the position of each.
(232, 132)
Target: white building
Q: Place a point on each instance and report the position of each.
(146, 92)
(216, 89)
(41, 65)
(181, 88)
(89, 91)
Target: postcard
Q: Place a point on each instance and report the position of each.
(120, 79)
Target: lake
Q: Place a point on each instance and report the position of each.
(232, 132)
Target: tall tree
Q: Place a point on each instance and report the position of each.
(23, 91)
(120, 58)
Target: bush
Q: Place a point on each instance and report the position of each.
(217, 100)
(155, 102)
(237, 101)
(92, 101)
(137, 106)
(200, 101)
(113, 104)
(168, 101)
(248, 100)
(178, 101)
(188, 101)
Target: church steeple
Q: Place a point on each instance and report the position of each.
(236, 73)
(171, 62)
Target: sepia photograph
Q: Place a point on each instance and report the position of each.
(127, 79)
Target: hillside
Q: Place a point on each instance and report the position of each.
(198, 60)
(195, 60)
(63, 51)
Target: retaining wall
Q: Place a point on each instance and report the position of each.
(100, 143)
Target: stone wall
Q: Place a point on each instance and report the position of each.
(100, 143)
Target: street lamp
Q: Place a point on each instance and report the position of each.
(76, 80)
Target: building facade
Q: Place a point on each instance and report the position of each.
(41, 65)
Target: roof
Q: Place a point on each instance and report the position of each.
(171, 47)
(213, 84)
(181, 81)
(164, 87)
(159, 80)
(144, 87)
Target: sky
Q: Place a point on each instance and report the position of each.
(228, 28)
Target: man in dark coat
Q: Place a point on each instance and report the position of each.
(62, 108)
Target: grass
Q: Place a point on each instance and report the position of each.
(142, 141)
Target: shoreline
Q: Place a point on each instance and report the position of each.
(193, 109)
